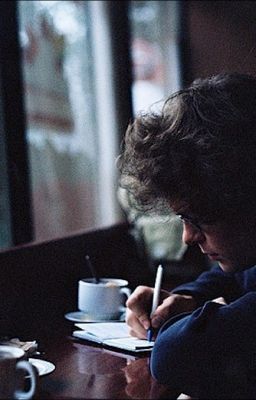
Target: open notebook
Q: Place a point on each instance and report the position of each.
(113, 334)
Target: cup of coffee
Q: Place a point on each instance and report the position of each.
(104, 300)
(16, 374)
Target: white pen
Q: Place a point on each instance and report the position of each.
(156, 295)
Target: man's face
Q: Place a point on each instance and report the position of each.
(232, 244)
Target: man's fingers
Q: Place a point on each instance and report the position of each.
(138, 326)
(144, 320)
(139, 303)
(140, 300)
(162, 313)
(157, 321)
(138, 334)
(171, 306)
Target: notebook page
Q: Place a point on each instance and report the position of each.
(105, 330)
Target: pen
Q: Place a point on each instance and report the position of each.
(155, 302)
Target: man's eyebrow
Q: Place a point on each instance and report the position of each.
(196, 220)
(184, 213)
(180, 211)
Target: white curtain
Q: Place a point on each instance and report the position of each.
(70, 114)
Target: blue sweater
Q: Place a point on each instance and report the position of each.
(211, 352)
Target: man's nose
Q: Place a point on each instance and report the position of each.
(192, 234)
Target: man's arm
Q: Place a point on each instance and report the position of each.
(211, 284)
(210, 353)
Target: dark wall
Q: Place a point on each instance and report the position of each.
(221, 36)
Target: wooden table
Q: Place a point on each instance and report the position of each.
(38, 286)
(86, 371)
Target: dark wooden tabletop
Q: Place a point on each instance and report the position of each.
(86, 371)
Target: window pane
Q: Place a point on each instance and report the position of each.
(59, 86)
(155, 27)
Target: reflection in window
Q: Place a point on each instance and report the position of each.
(61, 115)
(154, 51)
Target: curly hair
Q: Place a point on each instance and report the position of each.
(199, 149)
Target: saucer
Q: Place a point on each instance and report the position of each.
(79, 316)
(43, 367)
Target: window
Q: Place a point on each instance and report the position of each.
(155, 51)
(76, 88)
(63, 133)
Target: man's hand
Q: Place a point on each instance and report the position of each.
(139, 308)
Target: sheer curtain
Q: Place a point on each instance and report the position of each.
(70, 115)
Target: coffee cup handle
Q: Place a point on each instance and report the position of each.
(20, 394)
(126, 291)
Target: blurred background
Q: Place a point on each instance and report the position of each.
(73, 74)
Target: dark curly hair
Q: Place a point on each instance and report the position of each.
(200, 149)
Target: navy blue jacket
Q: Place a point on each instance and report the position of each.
(211, 352)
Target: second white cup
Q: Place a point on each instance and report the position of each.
(11, 382)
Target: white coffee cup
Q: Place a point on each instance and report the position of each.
(103, 300)
(11, 380)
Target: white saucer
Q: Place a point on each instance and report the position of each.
(79, 316)
(43, 367)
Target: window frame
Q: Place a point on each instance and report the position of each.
(12, 127)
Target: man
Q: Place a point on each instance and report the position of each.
(198, 157)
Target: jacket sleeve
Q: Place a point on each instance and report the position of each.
(210, 353)
(211, 284)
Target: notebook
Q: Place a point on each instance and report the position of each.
(113, 334)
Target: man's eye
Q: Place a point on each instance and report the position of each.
(188, 219)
